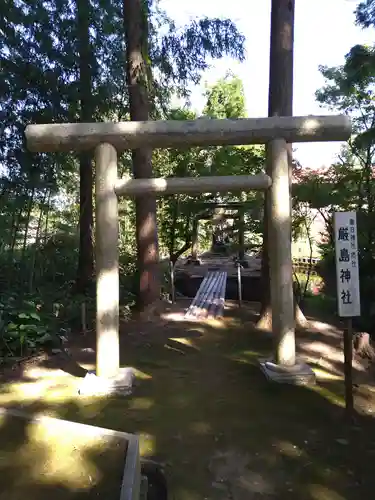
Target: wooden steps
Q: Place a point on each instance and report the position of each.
(209, 300)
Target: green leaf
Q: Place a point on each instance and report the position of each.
(11, 326)
(34, 315)
(39, 329)
(43, 339)
(23, 316)
(13, 334)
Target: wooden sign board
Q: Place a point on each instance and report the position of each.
(347, 269)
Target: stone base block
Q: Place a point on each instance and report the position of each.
(298, 374)
(121, 385)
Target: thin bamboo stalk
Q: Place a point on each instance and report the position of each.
(207, 294)
(219, 299)
(215, 296)
(205, 282)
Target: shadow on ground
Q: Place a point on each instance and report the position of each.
(203, 408)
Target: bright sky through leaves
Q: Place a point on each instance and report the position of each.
(325, 31)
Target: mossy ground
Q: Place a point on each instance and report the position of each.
(203, 408)
(40, 461)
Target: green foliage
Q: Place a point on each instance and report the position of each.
(365, 13)
(226, 99)
(23, 326)
(348, 184)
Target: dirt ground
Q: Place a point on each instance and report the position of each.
(204, 410)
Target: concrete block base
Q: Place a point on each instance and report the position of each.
(298, 374)
(121, 385)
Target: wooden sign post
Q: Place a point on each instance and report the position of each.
(348, 296)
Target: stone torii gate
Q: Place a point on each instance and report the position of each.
(238, 207)
(110, 139)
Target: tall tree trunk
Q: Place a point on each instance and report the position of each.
(86, 257)
(370, 197)
(280, 103)
(241, 233)
(27, 223)
(37, 242)
(137, 72)
(195, 238)
(9, 245)
(172, 240)
(47, 217)
(16, 221)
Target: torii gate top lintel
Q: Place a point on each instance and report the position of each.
(186, 133)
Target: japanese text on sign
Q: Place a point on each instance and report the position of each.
(347, 271)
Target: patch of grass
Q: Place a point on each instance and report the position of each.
(320, 304)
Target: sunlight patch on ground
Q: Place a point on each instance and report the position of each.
(141, 374)
(171, 348)
(244, 361)
(199, 329)
(39, 372)
(368, 388)
(332, 397)
(324, 328)
(217, 323)
(91, 407)
(201, 428)
(365, 397)
(60, 452)
(48, 389)
(319, 492)
(45, 391)
(61, 457)
(245, 357)
(290, 450)
(147, 445)
(52, 386)
(224, 323)
(173, 316)
(327, 356)
(323, 364)
(21, 395)
(184, 341)
(322, 375)
(141, 403)
(251, 354)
